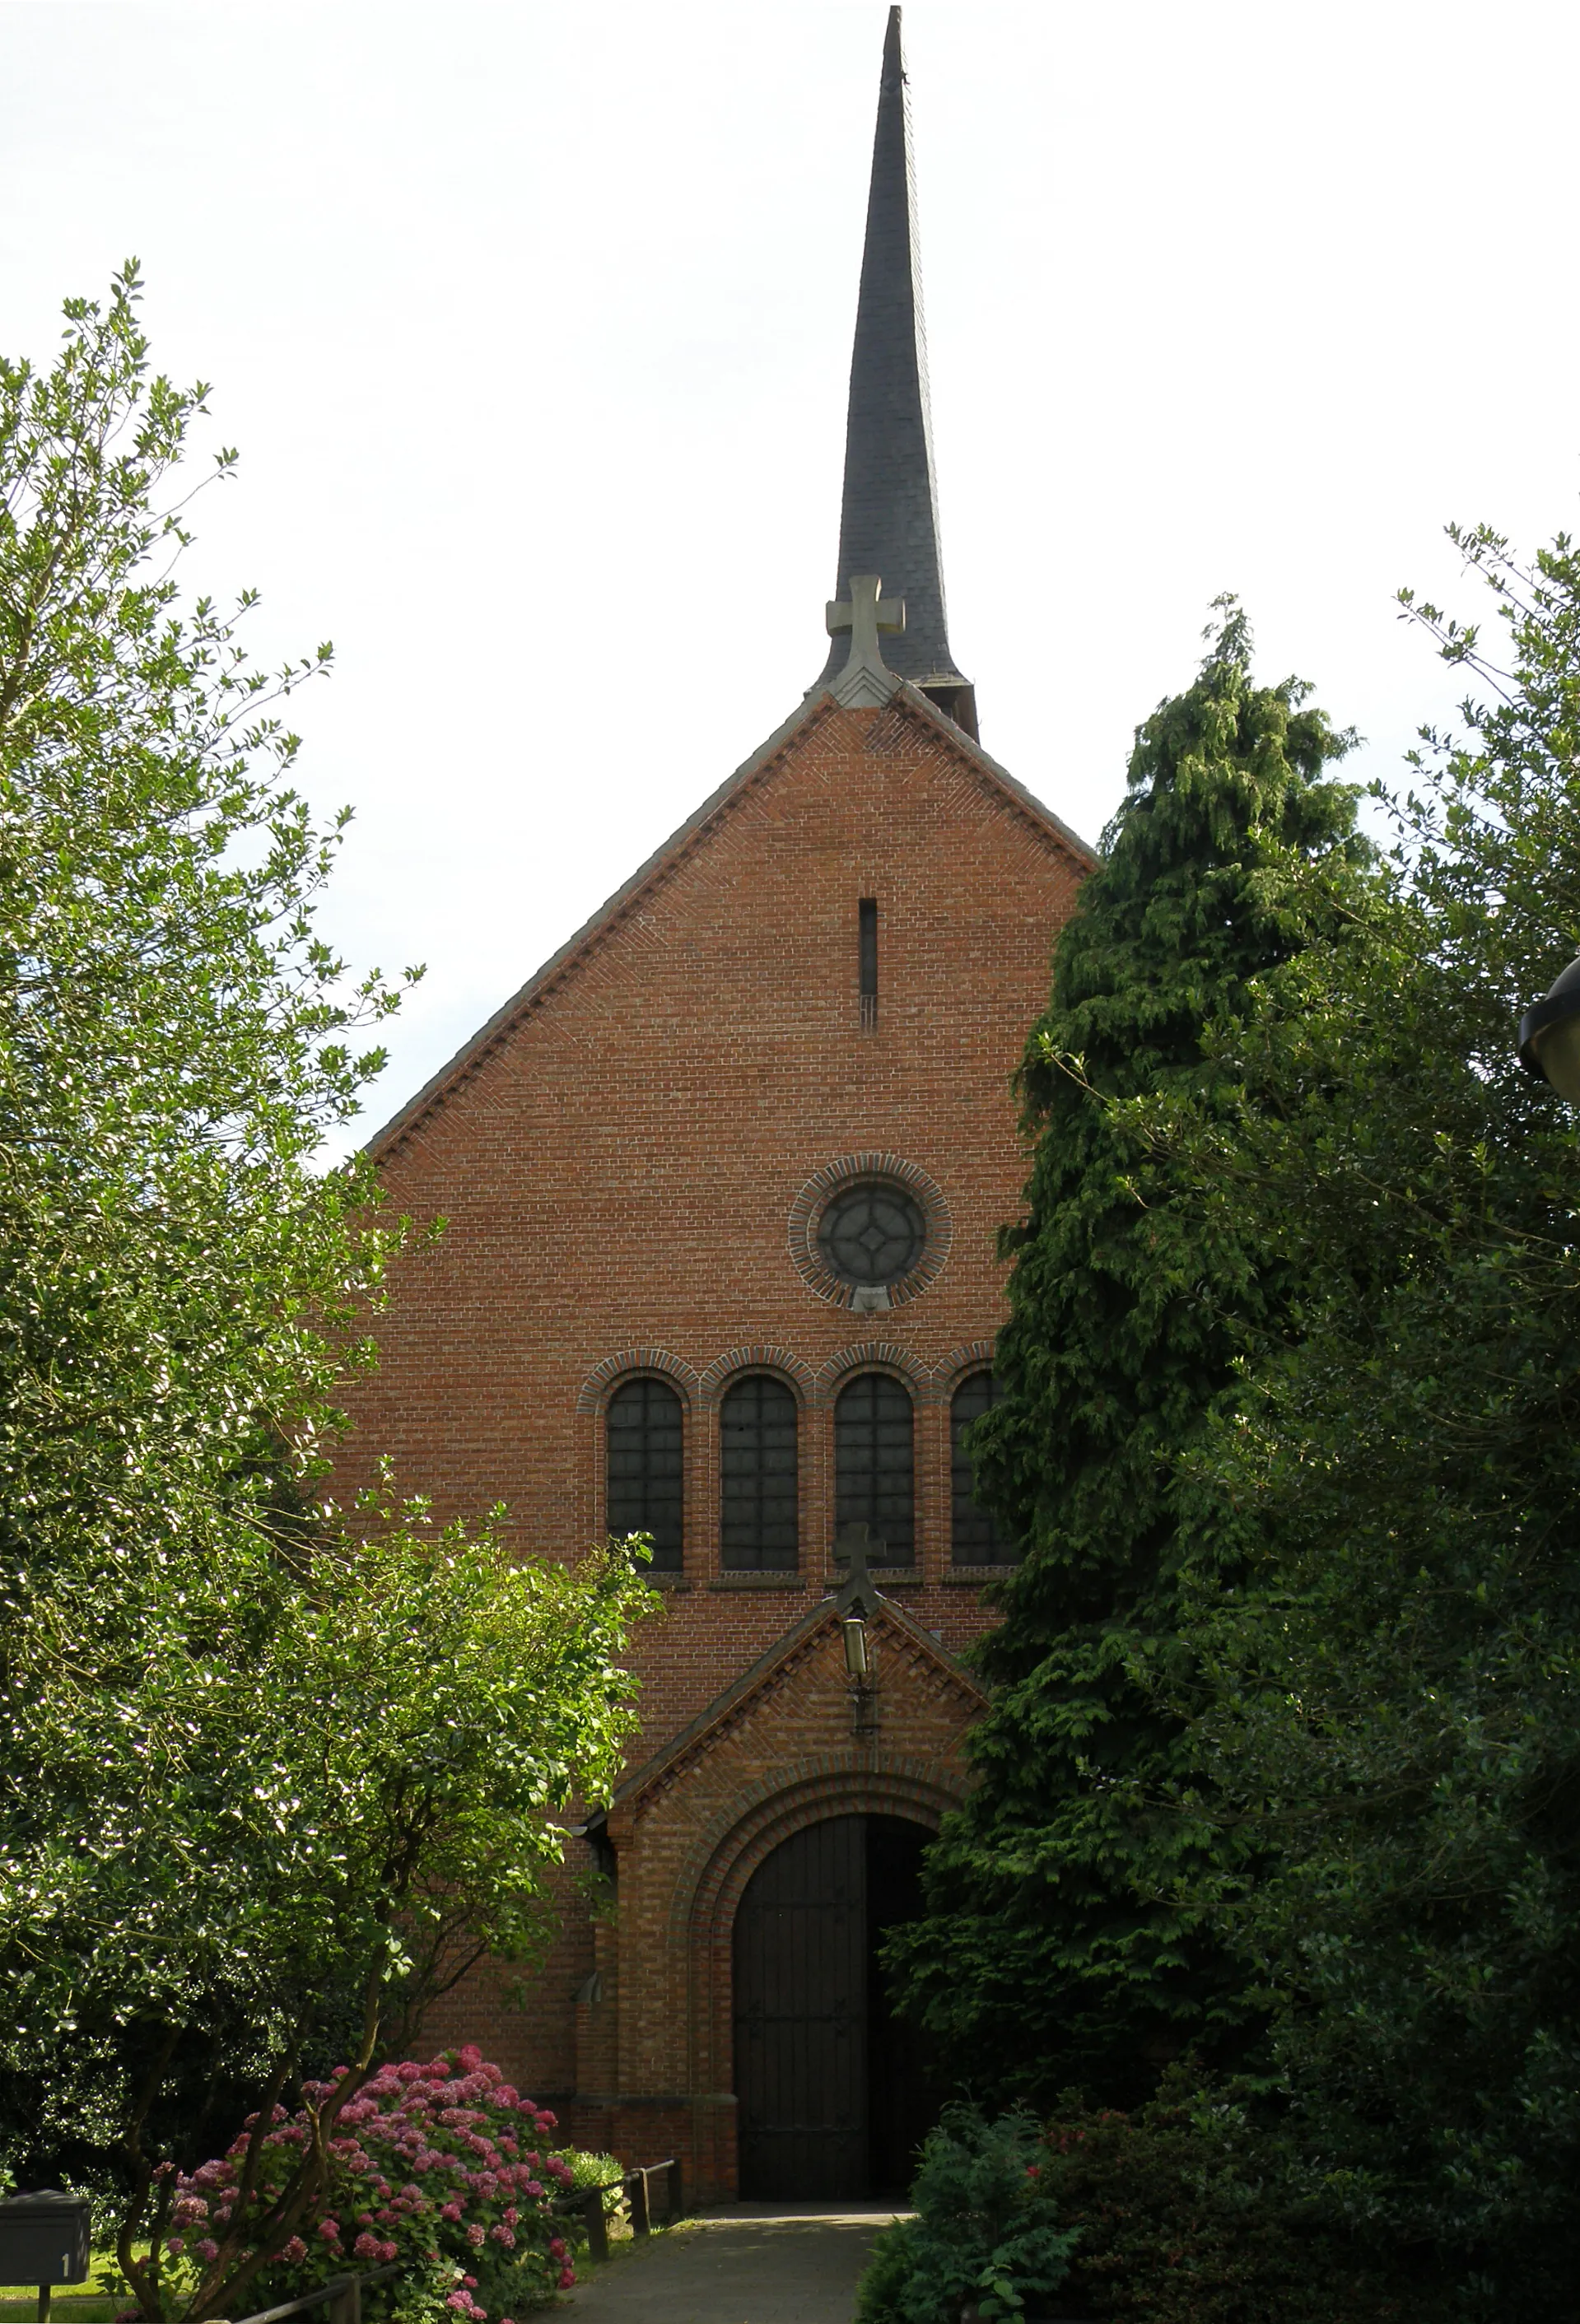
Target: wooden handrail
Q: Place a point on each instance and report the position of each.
(344, 2293)
(589, 2202)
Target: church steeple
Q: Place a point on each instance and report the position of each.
(888, 520)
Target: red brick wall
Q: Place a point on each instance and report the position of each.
(620, 1166)
(690, 1836)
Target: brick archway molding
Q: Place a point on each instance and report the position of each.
(708, 1892)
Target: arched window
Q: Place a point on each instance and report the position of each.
(978, 1537)
(644, 1436)
(757, 1465)
(875, 1465)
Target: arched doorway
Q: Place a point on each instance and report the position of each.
(831, 2097)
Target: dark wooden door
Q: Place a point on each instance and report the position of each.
(801, 1962)
(902, 2101)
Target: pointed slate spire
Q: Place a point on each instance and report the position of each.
(889, 522)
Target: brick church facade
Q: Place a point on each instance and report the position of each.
(723, 1183)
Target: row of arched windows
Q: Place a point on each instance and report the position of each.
(875, 1471)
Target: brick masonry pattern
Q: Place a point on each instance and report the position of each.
(619, 1163)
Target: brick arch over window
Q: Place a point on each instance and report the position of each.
(609, 1375)
(713, 1878)
(874, 1356)
(722, 1373)
(970, 1356)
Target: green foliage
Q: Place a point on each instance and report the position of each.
(1393, 1706)
(1058, 1946)
(1196, 2209)
(1188, 2211)
(982, 2234)
(318, 1814)
(173, 1038)
(441, 2168)
(267, 1783)
(604, 2171)
(887, 2275)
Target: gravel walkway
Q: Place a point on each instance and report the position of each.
(741, 2263)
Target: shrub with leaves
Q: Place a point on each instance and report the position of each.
(1190, 2211)
(362, 1857)
(1194, 2209)
(442, 2167)
(984, 2233)
(602, 2170)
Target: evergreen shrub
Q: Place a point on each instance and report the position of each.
(983, 2235)
(1190, 2211)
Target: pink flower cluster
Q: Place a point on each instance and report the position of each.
(428, 2164)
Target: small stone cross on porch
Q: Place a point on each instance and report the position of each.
(853, 1542)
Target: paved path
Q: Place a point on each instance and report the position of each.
(741, 2263)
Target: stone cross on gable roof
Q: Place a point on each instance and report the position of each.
(866, 678)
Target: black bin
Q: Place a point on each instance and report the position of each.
(44, 2238)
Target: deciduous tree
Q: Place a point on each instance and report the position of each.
(269, 1781)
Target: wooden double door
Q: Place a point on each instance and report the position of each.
(833, 2094)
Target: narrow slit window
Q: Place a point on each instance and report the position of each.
(867, 916)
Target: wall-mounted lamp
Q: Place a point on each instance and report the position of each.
(863, 1689)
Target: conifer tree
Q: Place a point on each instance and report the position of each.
(1393, 1689)
(1058, 1946)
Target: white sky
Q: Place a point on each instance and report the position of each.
(532, 322)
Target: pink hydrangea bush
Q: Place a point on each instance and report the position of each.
(442, 2167)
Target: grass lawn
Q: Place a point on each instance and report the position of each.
(81, 2305)
(73, 2303)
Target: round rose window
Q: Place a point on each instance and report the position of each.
(872, 1233)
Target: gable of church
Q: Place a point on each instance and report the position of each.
(798, 1707)
(833, 791)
